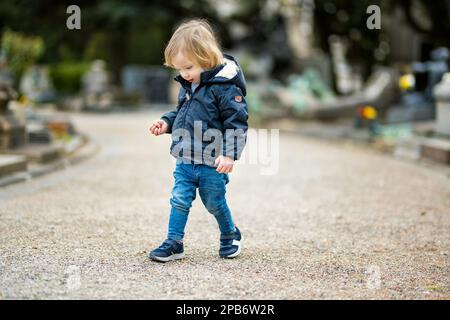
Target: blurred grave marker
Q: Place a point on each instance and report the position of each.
(152, 82)
(12, 130)
(36, 84)
(96, 87)
(418, 103)
(442, 96)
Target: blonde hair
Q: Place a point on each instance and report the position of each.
(195, 39)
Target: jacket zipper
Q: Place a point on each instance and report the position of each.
(188, 105)
(186, 110)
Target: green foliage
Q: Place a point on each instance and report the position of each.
(66, 53)
(97, 47)
(66, 76)
(21, 51)
(119, 32)
(146, 45)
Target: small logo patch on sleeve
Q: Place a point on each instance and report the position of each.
(238, 98)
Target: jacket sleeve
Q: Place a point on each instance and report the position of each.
(234, 114)
(170, 116)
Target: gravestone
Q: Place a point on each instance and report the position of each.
(152, 82)
(347, 80)
(442, 96)
(96, 87)
(11, 164)
(16, 150)
(419, 104)
(12, 130)
(299, 20)
(36, 84)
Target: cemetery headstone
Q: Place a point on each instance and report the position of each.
(152, 82)
(12, 130)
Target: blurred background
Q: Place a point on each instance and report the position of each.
(371, 70)
(360, 213)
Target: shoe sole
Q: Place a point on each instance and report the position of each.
(233, 255)
(176, 256)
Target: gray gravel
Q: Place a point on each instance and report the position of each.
(336, 222)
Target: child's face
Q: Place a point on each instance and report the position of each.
(189, 70)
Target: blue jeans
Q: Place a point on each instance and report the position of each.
(211, 186)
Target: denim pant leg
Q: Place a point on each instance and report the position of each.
(183, 193)
(212, 189)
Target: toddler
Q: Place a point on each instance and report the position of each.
(208, 129)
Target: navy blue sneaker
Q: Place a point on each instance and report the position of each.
(230, 244)
(167, 251)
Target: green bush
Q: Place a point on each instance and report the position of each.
(66, 76)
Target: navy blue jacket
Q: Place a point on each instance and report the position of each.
(219, 103)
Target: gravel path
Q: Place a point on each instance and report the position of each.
(335, 222)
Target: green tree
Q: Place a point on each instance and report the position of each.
(21, 51)
(121, 32)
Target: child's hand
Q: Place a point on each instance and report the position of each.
(159, 127)
(224, 164)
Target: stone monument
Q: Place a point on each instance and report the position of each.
(36, 84)
(97, 93)
(12, 130)
(442, 95)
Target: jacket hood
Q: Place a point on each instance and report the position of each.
(228, 72)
